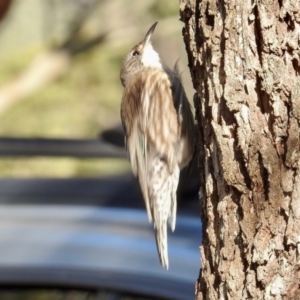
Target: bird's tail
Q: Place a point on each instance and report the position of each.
(162, 193)
(162, 243)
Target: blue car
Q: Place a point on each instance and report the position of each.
(89, 251)
(89, 238)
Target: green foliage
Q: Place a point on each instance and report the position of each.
(164, 9)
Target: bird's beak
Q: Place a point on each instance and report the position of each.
(149, 34)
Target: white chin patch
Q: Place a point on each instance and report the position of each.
(150, 57)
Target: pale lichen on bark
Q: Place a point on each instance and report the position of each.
(244, 58)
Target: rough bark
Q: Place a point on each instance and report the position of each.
(244, 60)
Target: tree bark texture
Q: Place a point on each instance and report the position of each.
(244, 60)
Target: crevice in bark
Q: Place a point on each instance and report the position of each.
(210, 19)
(239, 157)
(199, 38)
(291, 144)
(264, 176)
(287, 194)
(296, 65)
(208, 255)
(186, 14)
(264, 104)
(227, 115)
(208, 56)
(286, 219)
(222, 74)
(198, 30)
(240, 242)
(289, 22)
(254, 267)
(288, 109)
(217, 281)
(284, 139)
(201, 159)
(263, 99)
(257, 32)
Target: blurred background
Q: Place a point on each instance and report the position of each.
(73, 223)
(59, 73)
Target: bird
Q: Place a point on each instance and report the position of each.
(159, 133)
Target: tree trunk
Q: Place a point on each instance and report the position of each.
(244, 60)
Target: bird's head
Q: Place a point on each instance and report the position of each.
(141, 56)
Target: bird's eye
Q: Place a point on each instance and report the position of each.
(135, 53)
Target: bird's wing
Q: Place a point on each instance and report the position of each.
(150, 121)
(185, 115)
(162, 134)
(134, 109)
